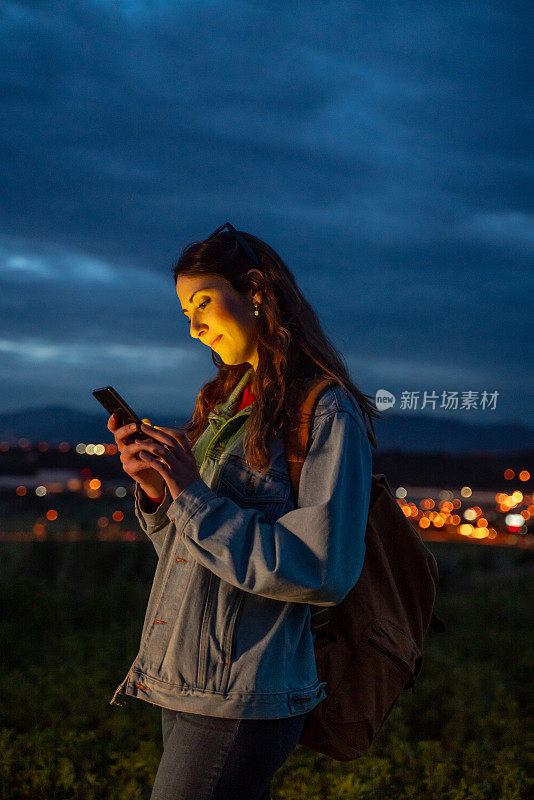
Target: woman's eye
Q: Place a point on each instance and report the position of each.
(200, 307)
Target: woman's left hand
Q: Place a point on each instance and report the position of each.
(172, 458)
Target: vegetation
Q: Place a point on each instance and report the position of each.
(72, 617)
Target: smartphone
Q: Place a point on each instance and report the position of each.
(112, 402)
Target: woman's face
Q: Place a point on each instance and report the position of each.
(216, 310)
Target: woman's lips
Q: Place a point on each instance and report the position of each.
(215, 341)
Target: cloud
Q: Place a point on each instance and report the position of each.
(383, 151)
(503, 228)
(160, 109)
(155, 379)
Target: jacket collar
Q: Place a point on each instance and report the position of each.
(223, 411)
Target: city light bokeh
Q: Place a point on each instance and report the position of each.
(441, 514)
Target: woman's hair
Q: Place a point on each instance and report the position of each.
(292, 347)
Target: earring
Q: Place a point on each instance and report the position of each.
(256, 312)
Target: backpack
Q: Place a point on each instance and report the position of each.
(368, 648)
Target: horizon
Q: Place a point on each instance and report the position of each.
(420, 415)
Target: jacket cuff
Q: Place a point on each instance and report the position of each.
(150, 520)
(188, 502)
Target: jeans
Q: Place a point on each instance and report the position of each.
(215, 758)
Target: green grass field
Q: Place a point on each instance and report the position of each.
(71, 621)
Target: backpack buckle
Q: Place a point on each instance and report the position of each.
(316, 620)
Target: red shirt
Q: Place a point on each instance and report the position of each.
(246, 398)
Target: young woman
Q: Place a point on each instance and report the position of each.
(226, 648)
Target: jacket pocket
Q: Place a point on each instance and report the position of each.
(269, 493)
(230, 640)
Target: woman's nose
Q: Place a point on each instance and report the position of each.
(196, 329)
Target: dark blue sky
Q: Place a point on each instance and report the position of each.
(384, 150)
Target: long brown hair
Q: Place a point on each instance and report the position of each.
(292, 347)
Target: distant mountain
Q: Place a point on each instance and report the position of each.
(54, 424)
(404, 432)
(421, 434)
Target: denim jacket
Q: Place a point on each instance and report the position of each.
(227, 625)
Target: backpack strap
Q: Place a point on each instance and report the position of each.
(296, 442)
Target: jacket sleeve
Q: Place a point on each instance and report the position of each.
(155, 524)
(312, 554)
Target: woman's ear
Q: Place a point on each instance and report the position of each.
(257, 296)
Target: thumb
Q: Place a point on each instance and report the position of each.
(157, 427)
(176, 433)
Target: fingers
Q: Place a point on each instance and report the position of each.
(157, 449)
(145, 468)
(168, 436)
(123, 432)
(113, 423)
(160, 466)
(130, 452)
(132, 459)
(145, 454)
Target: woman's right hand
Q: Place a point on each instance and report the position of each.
(148, 478)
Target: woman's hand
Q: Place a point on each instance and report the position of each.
(148, 478)
(171, 457)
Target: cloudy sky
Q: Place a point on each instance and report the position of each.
(384, 150)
